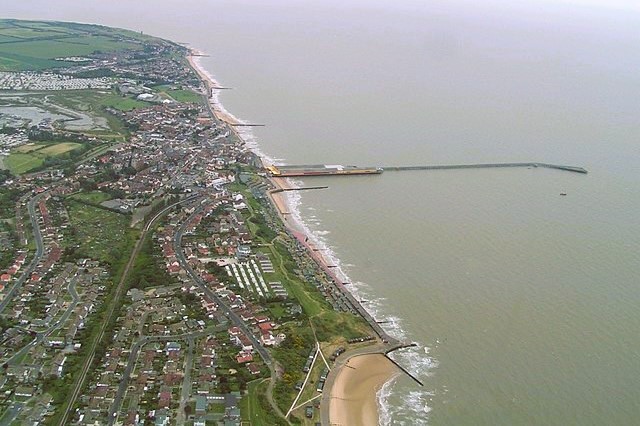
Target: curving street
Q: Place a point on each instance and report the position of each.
(115, 303)
(230, 314)
(11, 292)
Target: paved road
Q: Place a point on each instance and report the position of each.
(235, 319)
(10, 293)
(133, 357)
(186, 382)
(115, 303)
(56, 325)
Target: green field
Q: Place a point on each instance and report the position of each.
(28, 148)
(27, 45)
(19, 163)
(95, 197)
(122, 103)
(254, 409)
(98, 232)
(179, 95)
(32, 156)
(59, 148)
(185, 96)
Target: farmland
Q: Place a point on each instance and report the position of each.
(26, 45)
(19, 163)
(31, 156)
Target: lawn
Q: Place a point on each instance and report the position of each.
(185, 96)
(311, 301)
(178, 95)
(28, 148)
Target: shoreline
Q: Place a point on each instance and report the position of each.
(354, 394)
(355, 388)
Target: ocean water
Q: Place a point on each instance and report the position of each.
(523, 302)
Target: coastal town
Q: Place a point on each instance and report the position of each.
(148, 276)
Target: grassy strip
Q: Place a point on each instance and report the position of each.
(255, 408)
(42, 155)
(331, 328)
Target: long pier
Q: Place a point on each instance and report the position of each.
(329, 170)
(486, 166)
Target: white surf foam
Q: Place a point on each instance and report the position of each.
(414, 405)
(409, 407)
(414, 411)
(383, 406)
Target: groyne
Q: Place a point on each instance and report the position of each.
(302, 188)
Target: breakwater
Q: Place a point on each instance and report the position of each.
(303, 188)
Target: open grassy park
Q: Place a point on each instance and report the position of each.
(59, 148)
(122, 103)
(19, 163)
(179, 95)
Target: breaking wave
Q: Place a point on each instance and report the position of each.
(396, 405)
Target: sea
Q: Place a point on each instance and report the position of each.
(523, 302)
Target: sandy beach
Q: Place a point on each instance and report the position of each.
(353, 394)
(210, 85)
(355, 381)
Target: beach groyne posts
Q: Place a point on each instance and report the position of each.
(486, 166)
